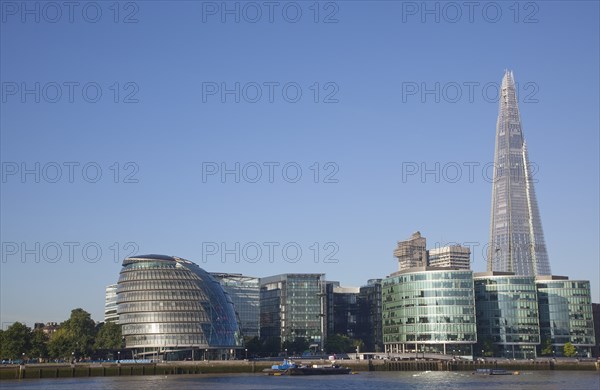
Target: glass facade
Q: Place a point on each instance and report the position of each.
(516, 236)
(565, 314)
(507, 316)
(369, 316)
(345, 311)
(110, 304)
(291, 306)
(244, 292)
(167, 305)
(429, 310)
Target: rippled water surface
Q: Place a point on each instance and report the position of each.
(545, 380)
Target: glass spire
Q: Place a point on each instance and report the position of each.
(516, 237)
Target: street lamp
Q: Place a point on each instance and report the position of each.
(206, 354)
(286, 353)
(119, 357)
(246, 349)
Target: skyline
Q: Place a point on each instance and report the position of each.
(383, 138)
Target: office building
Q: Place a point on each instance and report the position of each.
(453, 256)
(412, 252)
(292, 306)
(565, 308)
(429, 310)
(507, 315)
(245, 295)
(345, 311)
(370, 316)
(516, 236)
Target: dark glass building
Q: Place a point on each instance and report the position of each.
(345, 311)
(565, 314)
(507, 315)
(171, 309)
(369, 324)
(244, 292)
(292, 306)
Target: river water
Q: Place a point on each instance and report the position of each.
(546, 380)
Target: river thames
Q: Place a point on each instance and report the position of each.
(547, 380)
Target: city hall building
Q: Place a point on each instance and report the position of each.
(171, 309)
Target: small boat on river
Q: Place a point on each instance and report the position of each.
(491, 371)
(290, 368)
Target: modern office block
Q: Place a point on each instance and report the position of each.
(245, 295)
(429, 309)
(370, 316)
(507, 315)
(565, 314)
(292, 306)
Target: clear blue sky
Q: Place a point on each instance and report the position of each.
(374, 52)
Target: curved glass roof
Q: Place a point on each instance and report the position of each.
(150, 294)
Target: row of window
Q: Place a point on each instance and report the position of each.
(429, 285)
(430, 328)
(427, 302)
(166, 340)
(432, 320)
(171, 274)
(160, 295)
(129, 329)
(148, 265)
(160, 306)
(158, 285)
(454, 337)
(164, 317)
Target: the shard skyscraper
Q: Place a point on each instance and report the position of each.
(516, 237)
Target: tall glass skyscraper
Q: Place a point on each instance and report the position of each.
(516, 237)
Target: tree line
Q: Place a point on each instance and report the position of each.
(272, 346)
(77, 338)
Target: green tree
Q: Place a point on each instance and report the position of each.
(60, 344)
(39, 344)
(82, 331)
(569, 350)
(271, 346)
(253, 345)
(358, 343)
(16, 341)
(546, 347)
(488, 348)
(75, 336)
(337, 343)
(297, 346)
(108, 337)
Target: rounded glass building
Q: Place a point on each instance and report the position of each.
(429, 310)
(171, 309)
